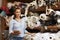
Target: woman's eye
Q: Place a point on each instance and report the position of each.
(17, 12)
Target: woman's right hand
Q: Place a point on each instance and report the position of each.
(17, 32)
(13, 33)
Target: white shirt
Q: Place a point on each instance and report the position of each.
(20, 26)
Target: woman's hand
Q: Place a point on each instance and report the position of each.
(16, 33)
(28, 33)
(12, 33)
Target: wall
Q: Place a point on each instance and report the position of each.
(0, 3)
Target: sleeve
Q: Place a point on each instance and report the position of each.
(25, 19)
(25, 28)
(10, 27)
(26, 31)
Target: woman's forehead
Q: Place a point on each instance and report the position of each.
(18, 10)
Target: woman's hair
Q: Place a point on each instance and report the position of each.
(17, 8)
(15, 11)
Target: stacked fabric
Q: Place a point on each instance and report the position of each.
(43, 36)
(33, 22)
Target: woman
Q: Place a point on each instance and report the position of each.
(17, 26)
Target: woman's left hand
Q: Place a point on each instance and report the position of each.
(17, 32)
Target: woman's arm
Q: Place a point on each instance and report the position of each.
(11, 27)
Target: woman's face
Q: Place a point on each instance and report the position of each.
(18, 12)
